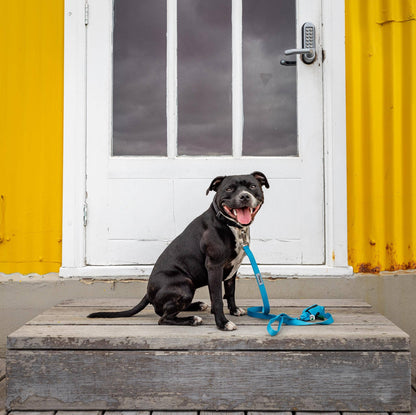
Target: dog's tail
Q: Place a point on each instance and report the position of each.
(127, 313)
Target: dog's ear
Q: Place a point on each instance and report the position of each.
(215, 184)
(261, 178)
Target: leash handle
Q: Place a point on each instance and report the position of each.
(259, 312)
(291, 321)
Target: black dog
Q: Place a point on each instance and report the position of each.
(208, 252)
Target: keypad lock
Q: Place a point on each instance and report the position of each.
(308, 42)
(308, 50)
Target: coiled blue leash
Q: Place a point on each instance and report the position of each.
(314, 314)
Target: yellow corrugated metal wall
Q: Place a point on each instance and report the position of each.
(31, 108)
(381, 133)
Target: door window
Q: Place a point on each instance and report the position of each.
(209, 41)
(139, 78)
(269, 88)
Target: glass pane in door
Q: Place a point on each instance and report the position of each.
(139, 78)
(204, 77)
(269, 89)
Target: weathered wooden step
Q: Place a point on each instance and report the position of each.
(63, 361)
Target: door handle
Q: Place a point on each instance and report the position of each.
(308, 50)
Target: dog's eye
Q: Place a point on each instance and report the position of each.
(229, 189)
(253, 186)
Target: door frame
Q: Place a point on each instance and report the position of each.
(74, 167)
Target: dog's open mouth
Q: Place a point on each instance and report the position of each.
(244, 215)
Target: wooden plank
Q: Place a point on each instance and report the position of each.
(175, 413)
(84, 310)
(269, 413)
(220, 413)
(78, 413)
(208, 320)
(362, 413)
(281, 302)
(130, 337)
(2, 369)
(323, 413)
(2, 394)
(413, 411)
(78, 316)
(126, 413)
(32, 413)
(209, 380)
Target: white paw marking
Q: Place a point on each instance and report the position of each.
(197, 321)
(240, 312)
(230, 326)
(204, 306)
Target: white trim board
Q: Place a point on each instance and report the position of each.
(74, 157)
(245, 271)
(75, 119)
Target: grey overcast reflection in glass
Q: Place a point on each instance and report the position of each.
(270, 121)
(204, 77)
(139, 78)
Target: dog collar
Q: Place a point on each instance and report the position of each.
(223, 218)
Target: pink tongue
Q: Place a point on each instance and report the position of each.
(244, 216)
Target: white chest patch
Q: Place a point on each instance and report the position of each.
(242, 237)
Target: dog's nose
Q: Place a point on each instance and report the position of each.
(244, 197)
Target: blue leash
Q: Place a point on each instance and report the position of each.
(308, 317)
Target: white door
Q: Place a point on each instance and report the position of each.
(182, 91)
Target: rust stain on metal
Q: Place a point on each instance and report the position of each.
(402, 266)
(368, 268)
(392, 264)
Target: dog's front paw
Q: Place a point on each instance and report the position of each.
(197, 321)
(238, 312)
(229, 326)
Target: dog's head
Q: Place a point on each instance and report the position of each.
(239, 198)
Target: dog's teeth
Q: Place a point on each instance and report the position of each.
(235, 212)
(251, 210)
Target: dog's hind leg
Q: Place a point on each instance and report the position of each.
(197, 306)
(170, 316)
(180, 321)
